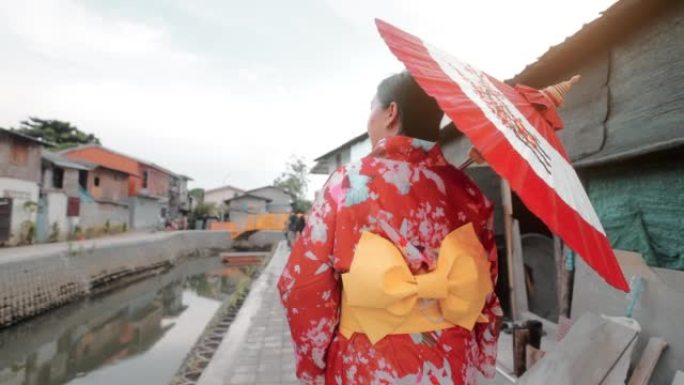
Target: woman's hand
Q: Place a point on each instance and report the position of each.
(475, 155)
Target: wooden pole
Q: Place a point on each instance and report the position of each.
(507, 203)
(566, 279)
(519, 276)
(521, 336)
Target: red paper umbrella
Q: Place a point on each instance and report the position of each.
(514, 130)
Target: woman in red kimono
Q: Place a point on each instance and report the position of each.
(407, 193)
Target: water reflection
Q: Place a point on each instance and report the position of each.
(139, 334)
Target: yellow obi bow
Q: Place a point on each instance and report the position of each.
(381, 294)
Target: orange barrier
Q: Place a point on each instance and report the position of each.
(272, 222)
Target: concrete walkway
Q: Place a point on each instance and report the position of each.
(258, 347)
(267, 357)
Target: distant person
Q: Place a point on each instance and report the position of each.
(301, 223)
(291, 229)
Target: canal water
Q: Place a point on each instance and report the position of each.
(139, 334)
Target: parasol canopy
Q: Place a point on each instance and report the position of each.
(513, 128)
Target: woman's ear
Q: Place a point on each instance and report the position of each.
(393, 122)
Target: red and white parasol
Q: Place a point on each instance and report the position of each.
(514, 130)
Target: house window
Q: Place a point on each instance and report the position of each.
(97, 181)
(83, 179)
(145, 177)
(58, 177)
(19, 153)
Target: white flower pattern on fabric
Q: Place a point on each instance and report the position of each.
(408, 186)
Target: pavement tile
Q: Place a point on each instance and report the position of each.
(242, 378)
(245, 369)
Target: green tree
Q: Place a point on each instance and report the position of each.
(203, 210)
(197, 195)
(294, 181)
(62, 134)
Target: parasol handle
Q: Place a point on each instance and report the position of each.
(474, 156)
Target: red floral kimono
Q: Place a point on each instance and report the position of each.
(407, 192)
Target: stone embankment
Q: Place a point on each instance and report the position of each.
(34, 279)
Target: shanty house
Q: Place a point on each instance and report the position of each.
(350, 151)
(625, 135)
(279, 200)
(148, 185)
(221, 194)
(218, 196)
(20, 176)
(240, 207)
(61, 191)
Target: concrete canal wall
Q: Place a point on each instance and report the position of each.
(37, 278)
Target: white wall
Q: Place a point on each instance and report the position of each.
(359, 150)
(280, 200)
(20, 191)
(56, 213)
(240, 209)
(144, 213)
(220, 196)
(96, 214)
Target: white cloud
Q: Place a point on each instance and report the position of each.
(498, 36)
(228, 111)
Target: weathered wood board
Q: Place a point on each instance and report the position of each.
(586, 356)
(661, 301)
(649, 358)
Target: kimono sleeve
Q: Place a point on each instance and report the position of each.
(310, 290)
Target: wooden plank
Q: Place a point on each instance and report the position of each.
(618, 374)
(647, 362)
(591, 350)
(661, 301)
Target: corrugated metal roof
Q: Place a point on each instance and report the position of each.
(138, 160)
(243, 196)
(252, 191)
(63, 161)
(226, 187)
(355, 140)
(26, 137)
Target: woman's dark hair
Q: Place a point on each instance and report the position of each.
(419, 113)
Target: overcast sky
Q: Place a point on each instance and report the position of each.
(225, 91)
